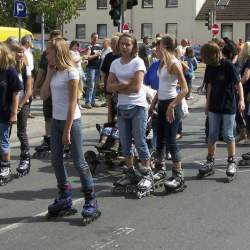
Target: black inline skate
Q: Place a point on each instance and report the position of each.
(231, 171)
(43, 150)
(207, 168)
(90, 210)
(24, 164)
(160, 174)
(245, 161)
(62, 206)
(5, 173)
(176, 182)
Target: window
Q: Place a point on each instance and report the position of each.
(227, 31)
(248, 32)
(80, 31)
(171, 29)
(82, 6)
(147, 3)
(146, 30)
(102, 30)
(171, 3)
(102, 4)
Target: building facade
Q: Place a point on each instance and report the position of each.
(181, 18)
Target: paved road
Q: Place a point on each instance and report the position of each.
(209, 214)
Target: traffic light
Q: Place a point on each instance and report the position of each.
(131, 3)
(209, 19)
(115, 11)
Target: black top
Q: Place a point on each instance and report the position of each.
(9, 83)
(246, 86)
(108, 59)
(96, 62)
(223, 79)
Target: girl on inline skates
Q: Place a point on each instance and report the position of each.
(169, 110)
(221, 79)
(126, 77)
(61, 83)
(10, 86)
(24, 74)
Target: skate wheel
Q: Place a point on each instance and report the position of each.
(139, 195)
(87, 220)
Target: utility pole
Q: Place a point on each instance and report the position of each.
(42, 31)
(122, 14)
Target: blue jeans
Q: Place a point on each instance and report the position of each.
(76, 149)
(166, 132)
(5, 128)
(132, 123)
(93, 76)
(228, 121)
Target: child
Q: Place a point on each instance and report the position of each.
(24, 74)
(10, 86)
(221, 79)
(192, 66)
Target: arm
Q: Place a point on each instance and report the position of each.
(91, 57)
(73, 87)
(153, 104)
(112, 84)
(45, 90)
(209, 88)
(27, 94)
(241, 103)
(39, 79)
(246, 76)
(14, 107)
(185, 67)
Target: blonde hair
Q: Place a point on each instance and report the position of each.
(62, 55)
(245, 53)
(210, 54)
(19, 65)
(6, 57)
(169, 44)
(114, 44)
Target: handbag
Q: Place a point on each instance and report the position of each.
(184, 109)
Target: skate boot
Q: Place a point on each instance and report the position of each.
(207, 168)
(127, 183)
(43, 150)
(5, 173)
(176, 182)
(24, 164)
(160, 171)
(90, 210)
(146, 184)
(62, 206)
(231, 168)
(245, 161)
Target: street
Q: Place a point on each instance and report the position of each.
(209, 214)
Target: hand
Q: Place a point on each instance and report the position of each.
(241, 106)
(170, 113)
(66, 138)
(13, 118)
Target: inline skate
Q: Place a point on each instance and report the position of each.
(62, 206)
(43, 150)
(5, 173)
(24, 164)
(176, 182)
(245, 161)
(231, 171)
(159, 175)
(90, 210)
(207, 168)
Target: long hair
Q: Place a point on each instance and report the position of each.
(6, 57)
(169, 44)
(210, 54)
(19, 65)
(134, 42)
(245, 53)
(63, 59)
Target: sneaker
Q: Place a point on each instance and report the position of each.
(87, 106)
(189, 97)
(95, 105)
(178, 136)
(31, 116)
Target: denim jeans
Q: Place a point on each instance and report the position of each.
(228, 121)
(76, 148)
(132, 123)
(93, 76)
(22, 118)
(5, 128)
(166, 132)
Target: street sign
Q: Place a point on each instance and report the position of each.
(125, 27)
(20, 9)
(215, 29)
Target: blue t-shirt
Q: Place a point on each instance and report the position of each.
(192, 65)
(9, 83)
(151, 77)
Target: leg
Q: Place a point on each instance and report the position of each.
(90, 85)
(96, 83)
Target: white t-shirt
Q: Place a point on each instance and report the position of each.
(28, 73)
(60, 93)
(30, 59)
(124, 73)
(167, 83)
(76, 59)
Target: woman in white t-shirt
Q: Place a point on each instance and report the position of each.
(61, 83)
(169, 110)
(24, 74)
(126, 77)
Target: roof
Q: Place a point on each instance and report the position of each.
(235, 10)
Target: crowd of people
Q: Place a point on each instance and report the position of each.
(128, 72)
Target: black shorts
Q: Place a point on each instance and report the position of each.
(47, 109)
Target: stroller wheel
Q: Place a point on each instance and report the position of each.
(91, 159)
